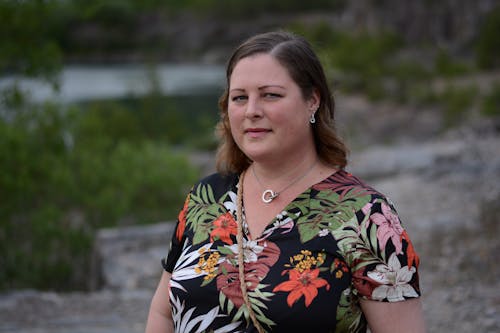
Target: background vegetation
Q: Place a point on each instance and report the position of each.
(68, 170)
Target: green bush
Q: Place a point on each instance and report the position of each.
(491, 102)
(244, 8)
(28, 45)
(456, 101)
(130, 184)
(488, 43)
(57, 188)
(445, 65)
(186, 121)
(360, 60)
(411, 82)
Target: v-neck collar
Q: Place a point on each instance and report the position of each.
(304, 196)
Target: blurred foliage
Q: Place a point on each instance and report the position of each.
(446, 65)
(36, 34)
(108, 8)
(364, 62)
(67, 172)
(184, 121)
(236, 9)
(491, 102)
(456, 101)
(488, 43)
(28, 43)
(378, 66)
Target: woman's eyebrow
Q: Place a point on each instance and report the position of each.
(271, 86)
(260, 88)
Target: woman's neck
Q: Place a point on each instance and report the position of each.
(279, 172)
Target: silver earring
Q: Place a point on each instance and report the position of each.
(312, 120)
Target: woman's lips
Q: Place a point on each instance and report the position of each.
(256, 132)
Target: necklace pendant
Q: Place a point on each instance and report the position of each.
(269, 195)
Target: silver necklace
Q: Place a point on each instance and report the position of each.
(269, 195)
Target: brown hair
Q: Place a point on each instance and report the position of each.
(296, 55)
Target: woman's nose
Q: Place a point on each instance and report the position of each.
(253, 108)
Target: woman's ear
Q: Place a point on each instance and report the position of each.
(314, 100)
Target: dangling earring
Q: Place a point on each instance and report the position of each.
(312, 120)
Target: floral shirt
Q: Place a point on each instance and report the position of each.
(335, 243)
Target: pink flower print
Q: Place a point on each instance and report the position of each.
(367, 208)
(389, 226)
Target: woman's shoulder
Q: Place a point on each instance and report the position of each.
(353, 188)
(219, 183)
(347, 186)
(343, 180)
(216, 179)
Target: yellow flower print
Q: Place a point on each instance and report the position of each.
(305, 260)
(207, 265)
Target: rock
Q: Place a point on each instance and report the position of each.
(105, 311)
(128, 258)
(437, 184)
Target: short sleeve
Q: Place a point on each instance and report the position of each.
(177, 240)
(386, 264)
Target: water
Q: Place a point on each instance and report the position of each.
(85, 82)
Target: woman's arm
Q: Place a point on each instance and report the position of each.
(160, 312)
(385, 317)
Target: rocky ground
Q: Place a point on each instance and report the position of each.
(446, 189)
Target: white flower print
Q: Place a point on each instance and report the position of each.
(185, 267)
(184, 322)
(281, 215)
(323, 232)
(251, 250)
(282, 222)
(394, 281)
(231, 204)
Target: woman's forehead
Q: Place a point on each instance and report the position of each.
(261, 70)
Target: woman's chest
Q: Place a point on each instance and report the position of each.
(286, 278)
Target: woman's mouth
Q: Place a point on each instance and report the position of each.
(256, 132)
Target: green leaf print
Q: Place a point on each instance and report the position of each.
(201, 233)
(202, 211)
(256, 297)
(355, 246)
(329, 210)
(299, 204)
(310, 228)
(373, 241)
(348, 315)
(242, 311)
(257, 303)
(222, 302)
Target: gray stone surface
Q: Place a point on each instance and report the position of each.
(128, 258)
(98, 312)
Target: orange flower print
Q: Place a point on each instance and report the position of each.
(410, 251)
(182, 220)
(306, 283)
(225, 226)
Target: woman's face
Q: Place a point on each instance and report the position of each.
(268, 114)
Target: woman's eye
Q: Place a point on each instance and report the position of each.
(238, 98)
(272, 95)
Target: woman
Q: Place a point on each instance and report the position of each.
(283, 239)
